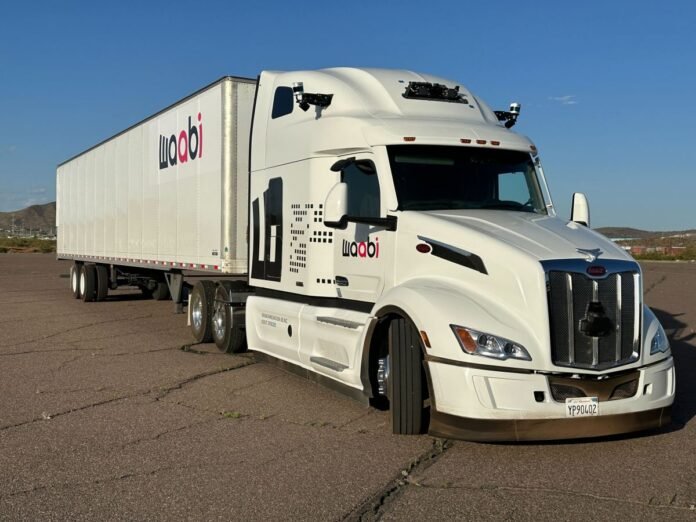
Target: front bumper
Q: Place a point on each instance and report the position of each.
(451, 427)
(484, 404)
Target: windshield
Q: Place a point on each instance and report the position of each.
(444, 178)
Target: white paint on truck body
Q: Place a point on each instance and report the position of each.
(170, 191)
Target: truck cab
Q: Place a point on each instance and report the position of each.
(404, 247)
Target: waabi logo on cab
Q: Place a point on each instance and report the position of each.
(188, 145)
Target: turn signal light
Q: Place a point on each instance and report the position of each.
(467, 342)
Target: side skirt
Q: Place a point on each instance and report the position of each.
(353, 393)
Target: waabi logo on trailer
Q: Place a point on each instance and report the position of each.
(188, 145)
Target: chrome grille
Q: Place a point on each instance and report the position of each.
(594, 321)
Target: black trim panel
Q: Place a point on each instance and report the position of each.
(455, 255)
(488, 367)
(325, 302)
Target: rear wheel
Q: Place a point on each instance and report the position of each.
(228, 327)
(102, 282)
(406, 384)
(88, 280)
(75, 280)
(201, 303)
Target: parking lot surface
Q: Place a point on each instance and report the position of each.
(107, 414)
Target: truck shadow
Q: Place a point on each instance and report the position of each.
(682, 340)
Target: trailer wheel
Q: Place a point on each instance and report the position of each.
(228, 325)
(88, 280)
(102, 282)
(406, 382)
(201, 303)
(75, 280)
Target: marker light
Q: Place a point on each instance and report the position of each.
(409, 138)
(465, 140)
(659, 342)
(424, 336)
(481, 142)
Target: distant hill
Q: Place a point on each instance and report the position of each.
(635, 233)
(40, 218)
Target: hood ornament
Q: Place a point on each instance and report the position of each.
(591, 254)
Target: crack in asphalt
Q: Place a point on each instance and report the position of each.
(53, 350)
(162, 392)
(652, 502)
(96, 482)
(377, 505)
(167, 432)
(652, 286)
(56, 334)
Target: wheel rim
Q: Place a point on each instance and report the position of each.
(197, 312)
(73, 280)
(82, 282)
(219, 320)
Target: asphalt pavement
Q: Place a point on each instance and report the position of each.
(108, 414)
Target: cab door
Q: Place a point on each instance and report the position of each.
(363, 251)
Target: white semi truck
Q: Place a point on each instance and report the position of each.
(383, 232)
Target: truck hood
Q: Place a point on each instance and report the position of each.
(540, 237)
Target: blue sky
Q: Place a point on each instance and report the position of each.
(608, 89)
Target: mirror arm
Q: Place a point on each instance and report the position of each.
(389, 222)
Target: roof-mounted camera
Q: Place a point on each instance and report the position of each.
(509, 117)
(305, 99)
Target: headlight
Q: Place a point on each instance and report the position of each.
(479, 343)
(659, 342)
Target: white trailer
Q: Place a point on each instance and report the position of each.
(402, 247)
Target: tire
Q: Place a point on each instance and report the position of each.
(102, 282)
(161, 291)
(88, 282)
(407, 383)
(201, 303)
(75, 280)
(227, 321)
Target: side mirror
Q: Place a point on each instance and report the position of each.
(336, 206)
(580, 210)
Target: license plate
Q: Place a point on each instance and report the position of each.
(582, 407)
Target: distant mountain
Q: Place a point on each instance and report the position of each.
(40, 218)
(635, 233)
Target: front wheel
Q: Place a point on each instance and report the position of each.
(407, 388)
(228, 321)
